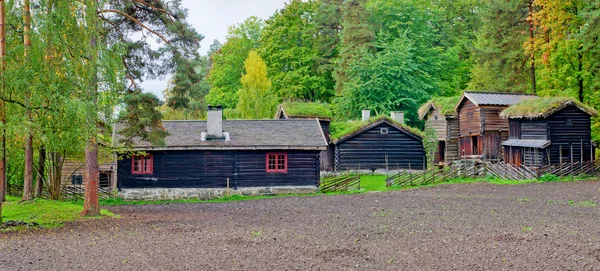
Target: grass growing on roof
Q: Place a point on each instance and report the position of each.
(444, 104)
(47, 213)
(308, 109)
(542, 107)
(340, 129)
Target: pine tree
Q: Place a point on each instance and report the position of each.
(357, 34)
(255, 98)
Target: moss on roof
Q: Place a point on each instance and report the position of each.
(444, 104)
(543, 107)
(307, 109)
(342, 129)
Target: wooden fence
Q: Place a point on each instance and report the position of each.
(340, 183)
(435, 175)
(499, 170)
(76, 192)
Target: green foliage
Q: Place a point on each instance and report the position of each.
(256, 100)
(542, 107)
(500, 61)
(138, 123)
(430, 142)
(288, 47)
(228, 62)
(357, 37)
(307, 109)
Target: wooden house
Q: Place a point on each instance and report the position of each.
(73, 170)
(481, 129)
(381, 143)
(311, 110)
(547, 131)
(440, 116)
(250, 155)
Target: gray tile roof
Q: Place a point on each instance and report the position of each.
(527, 143)
(495, 98)
(243, 134)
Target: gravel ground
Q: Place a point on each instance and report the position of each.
(478, 226)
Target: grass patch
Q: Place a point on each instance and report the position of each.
(373, 183)
(47, 213)
(308, 109)
(543, 106)
(340, 129)
(444, 104)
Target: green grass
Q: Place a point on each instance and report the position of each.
(538, 107)
(444, 104)
(308, 109)
(340, 129)
(373, 182)
(47, 213)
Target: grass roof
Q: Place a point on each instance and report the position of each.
(543, 107)
(341, 129)
(307, 109)
(444, 104)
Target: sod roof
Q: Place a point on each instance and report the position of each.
(343, 130)
(296, 110)
(445, 105)
(543, 107)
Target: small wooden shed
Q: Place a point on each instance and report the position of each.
(547, 131)
(380, 143)
(439, 115)
(481, 129)
(312, 110)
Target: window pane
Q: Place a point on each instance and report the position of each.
(272, 161)
(136, 165)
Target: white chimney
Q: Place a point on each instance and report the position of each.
(398, 116)
(214, 124)
(366, 115)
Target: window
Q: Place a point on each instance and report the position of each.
(76, 179)
(384, 131)
(277, 162)
(141, 164)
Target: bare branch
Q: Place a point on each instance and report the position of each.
(135, 21)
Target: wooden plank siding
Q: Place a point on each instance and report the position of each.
(452, 145)
(470, 119)
(210, 169)
(491, 120)
(437, 122)
(368, 150)
(568, 128)
(74, 165)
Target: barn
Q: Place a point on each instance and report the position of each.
(439, 115)
(312, 110)
(481, 129)
(204, 159)
(377, 144)
(550, 130)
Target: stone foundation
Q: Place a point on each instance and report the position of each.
(209, 193)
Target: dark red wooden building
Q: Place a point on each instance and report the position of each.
(481, 129)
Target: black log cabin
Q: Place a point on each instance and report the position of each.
(206, 154)
(547, 131)
(481, 130)
(382, 143)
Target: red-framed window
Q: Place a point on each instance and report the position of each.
(142, 164)
(277, 162)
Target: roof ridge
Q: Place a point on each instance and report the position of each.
(498, 92)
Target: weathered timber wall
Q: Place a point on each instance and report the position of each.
(210, 169)
(368, 150)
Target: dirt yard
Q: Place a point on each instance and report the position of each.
(478, 226)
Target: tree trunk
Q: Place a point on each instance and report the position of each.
(39, 185)
(580, 76)
(531, 37)
(55, 184)
(3, 180)
(28, 182)
(90, 202)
